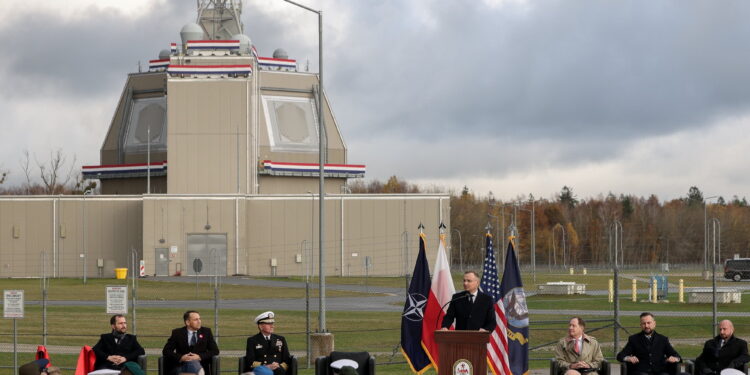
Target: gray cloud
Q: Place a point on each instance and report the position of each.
(436, 90)
(552, 69)
(87, 56)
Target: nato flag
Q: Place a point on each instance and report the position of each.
(411, 319)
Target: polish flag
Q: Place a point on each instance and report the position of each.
(441, 291)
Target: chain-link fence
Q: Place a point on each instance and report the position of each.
(364, 313)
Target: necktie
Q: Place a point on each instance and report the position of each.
(194, 339)
(722, 344)
(578, 346)
(471, 298)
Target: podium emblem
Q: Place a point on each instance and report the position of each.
(463, 367)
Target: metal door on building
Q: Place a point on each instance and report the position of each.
(161, 263)
(211, 249)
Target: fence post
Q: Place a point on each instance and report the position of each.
(635, 291)
(45, 284)
(611, 290)
(681, 292)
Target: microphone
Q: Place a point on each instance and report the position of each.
(465, 295)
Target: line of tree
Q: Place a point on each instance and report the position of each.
(56, 175)
(652, 231)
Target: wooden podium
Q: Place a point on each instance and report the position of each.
(465, 349)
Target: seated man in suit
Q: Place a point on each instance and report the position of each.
(190, 348)
(722, 352)
(648, 352)
(117, 347)
(578, 353)
(471, 309)
(267, 349)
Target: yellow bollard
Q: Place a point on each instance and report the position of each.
(611, 296)
(584, 270)
(572, 271)
(681, 297)
(653, 290)
(635, 292)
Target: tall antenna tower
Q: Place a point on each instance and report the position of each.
(220, 19)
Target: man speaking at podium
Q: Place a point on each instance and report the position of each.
(471, 309)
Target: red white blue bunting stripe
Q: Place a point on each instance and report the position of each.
(268, 62)
(173, 47)
(313, 168)
(213, 44)
(95, 171)
(158, 64)
(210, 69)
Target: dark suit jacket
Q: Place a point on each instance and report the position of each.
(732, 355)
(259, 352)
(177, 346)
(471, 316)
(652, 354)
(128, 347)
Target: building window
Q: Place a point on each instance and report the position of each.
(144, 114)
(292, 123)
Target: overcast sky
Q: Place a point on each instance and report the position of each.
(517, 97)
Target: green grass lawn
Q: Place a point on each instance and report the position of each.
(594, 280)
(94, 289)
(587, 302)
(354, 331)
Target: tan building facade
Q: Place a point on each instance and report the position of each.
(259, 235)
(212, 157)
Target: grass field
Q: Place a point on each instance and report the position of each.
(376, 332)
(94, 289)
(596, 280)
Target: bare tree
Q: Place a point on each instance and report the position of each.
(52, 174)
(25, 163)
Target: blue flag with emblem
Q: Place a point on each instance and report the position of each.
(412, 317)
(516, 313)
(507, 350)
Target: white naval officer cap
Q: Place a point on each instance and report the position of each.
(266, 317)
(341, 363)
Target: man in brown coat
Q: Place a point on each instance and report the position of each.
(578, 353)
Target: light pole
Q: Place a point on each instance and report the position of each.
(498, 244)
(460, 250)
(85, 224)
(705, 235)
(533, 236)
(501, 242)
(715, 223)
(321, 164)
(148, 159)
(558, 225)
(617, 229)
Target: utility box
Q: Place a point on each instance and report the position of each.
(705, 295)
(662, 287)
(561, 288)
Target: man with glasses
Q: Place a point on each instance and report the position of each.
(117, 347)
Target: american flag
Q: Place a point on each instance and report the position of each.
(497, 347)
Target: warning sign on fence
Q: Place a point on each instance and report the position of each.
(13, 304)
(117, 300)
